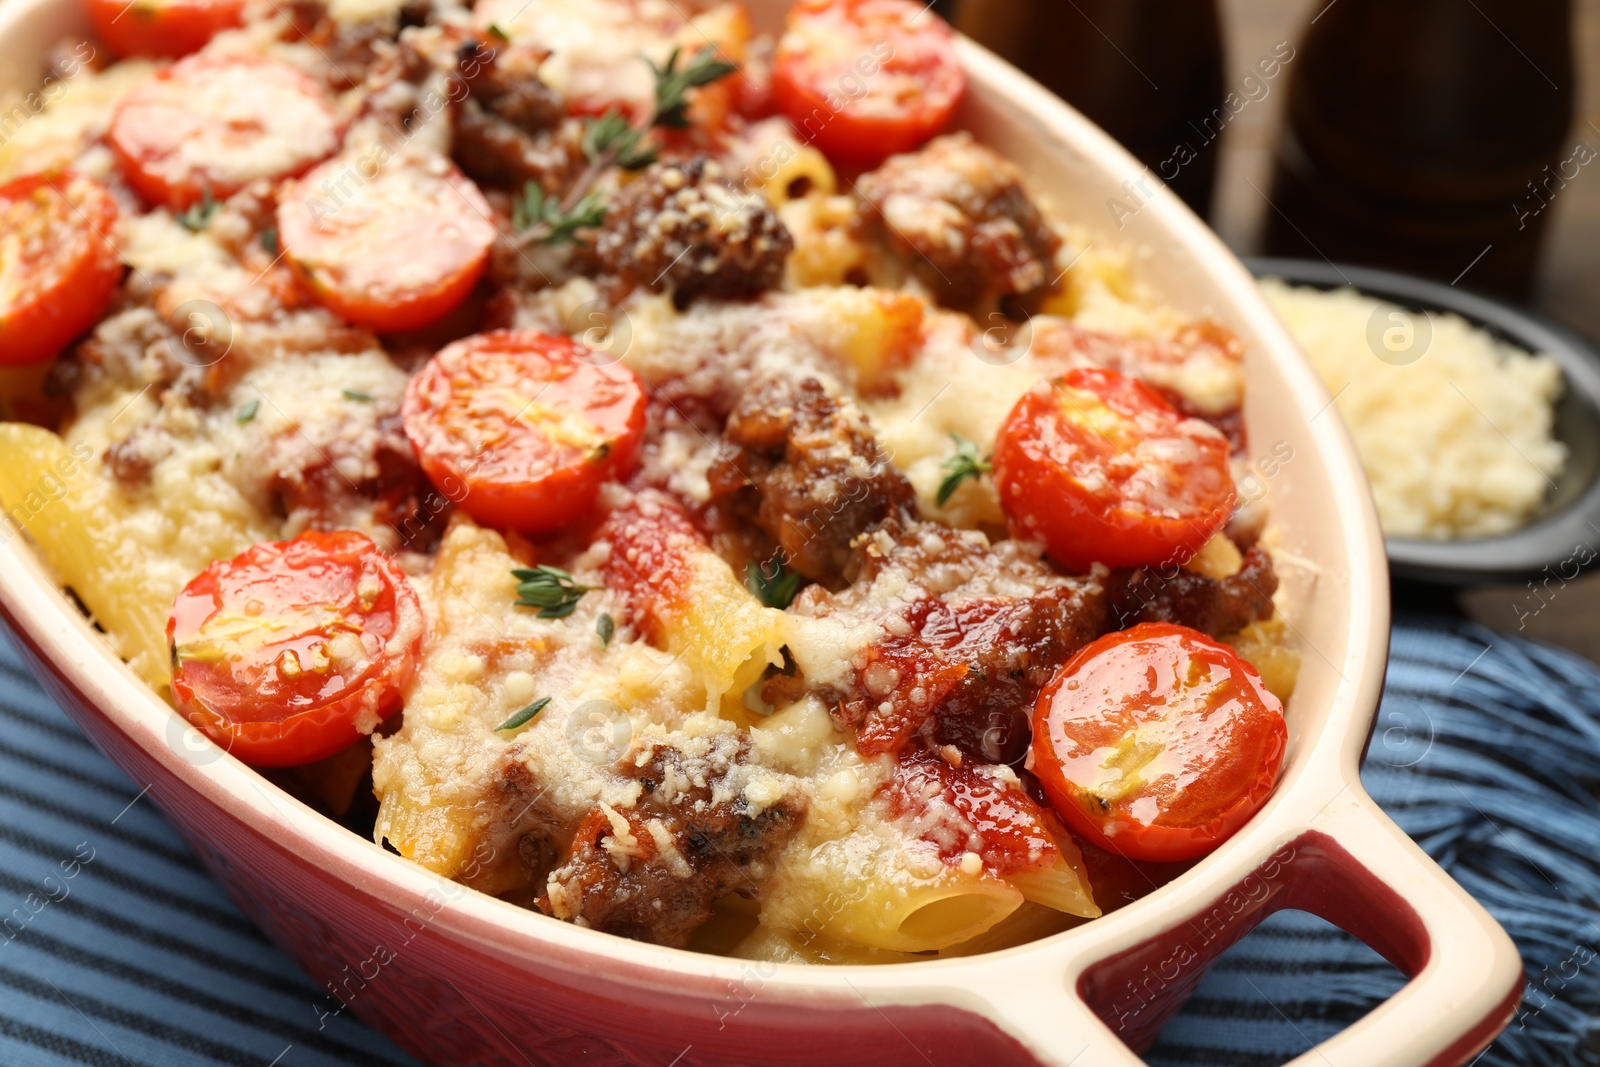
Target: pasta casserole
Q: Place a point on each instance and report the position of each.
(661, 474)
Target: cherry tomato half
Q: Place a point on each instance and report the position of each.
(865, 79)
(293, 650)
(522, 428)
(161, 27)
(401, 246)
(213, 124)
(1101, 469)
(58, 262)
(1157, 742)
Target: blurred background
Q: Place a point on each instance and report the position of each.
(1456, 139)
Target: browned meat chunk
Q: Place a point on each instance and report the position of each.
(652, 872)
(957, 213)
(495, 152)
(967, 672)
(808, 471)
(687, 226)
(1212, 607)
(510, 127)
(311, 481)
(132, 459)
(350, 48)
(969, 634)
(504, 82)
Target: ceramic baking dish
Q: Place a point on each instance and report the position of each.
(463, 979)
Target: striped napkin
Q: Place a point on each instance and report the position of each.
(116, 950)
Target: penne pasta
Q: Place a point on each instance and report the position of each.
(123, 566)
(688, 600)
(1057, 886)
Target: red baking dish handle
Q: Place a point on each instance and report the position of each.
(1353, 867)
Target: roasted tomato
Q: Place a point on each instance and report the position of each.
(964, 809)
(213, 124)
(1157, 743)
(521, 429)
(58, 262)
(293, 650)
(865, 79)
(400, 249)
(1102, 470)
(161, 27)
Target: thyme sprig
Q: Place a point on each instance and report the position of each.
(550, 589)
(673, 85)
(961, 466)
(611, 134)
(612, 141)
(554, 220)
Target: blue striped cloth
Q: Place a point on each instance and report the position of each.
(116, 950)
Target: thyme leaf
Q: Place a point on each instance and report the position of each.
(606, 627)
(522, 717)
(550, 589)
(199, 216)
(777, 590)
(961, 466)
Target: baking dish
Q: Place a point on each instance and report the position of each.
(461, 978)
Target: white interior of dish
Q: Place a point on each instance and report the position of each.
(1328, 549)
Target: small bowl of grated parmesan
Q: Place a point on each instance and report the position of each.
(1478, 423)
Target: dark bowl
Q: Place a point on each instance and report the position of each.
(1564, 533)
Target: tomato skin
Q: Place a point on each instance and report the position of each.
(322, 598)
(169, 28)
(1010, 825)
(652, 563)
(213, 124)
(400, 253)
(482, 413)
(1102, 470)
(1137, 695)
(58, 262)
(866, 79)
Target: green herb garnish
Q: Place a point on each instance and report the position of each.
(269, 240)
(606, 627)
(612, 139)
(496, 31)
(673, 85)
(199, 216)
(961, 466)
(248, 412)
(776, 591)
(358, 396)
(521, 717)
(550, 589)
(552, 221)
